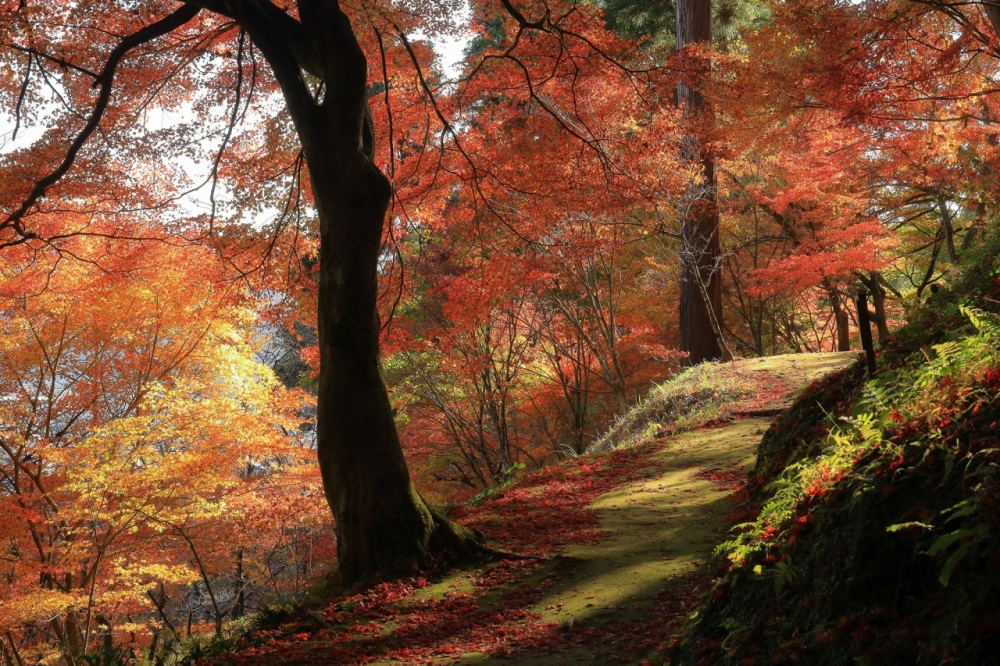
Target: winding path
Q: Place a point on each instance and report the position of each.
(617, 593)
(660, 530)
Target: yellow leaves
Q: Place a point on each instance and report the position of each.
(38, 605)
(145, 576)
(132, 395)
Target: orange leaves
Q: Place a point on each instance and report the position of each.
(805, 181)
(137, 431)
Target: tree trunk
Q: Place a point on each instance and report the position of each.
(701, 288)
(873, 283)
(841, 317)
(947, 223)
(993, 14)
(381, 523)
(383, 526)
(240, 603)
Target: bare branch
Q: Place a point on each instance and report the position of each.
(20, 99)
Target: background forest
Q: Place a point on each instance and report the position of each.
(161, 248)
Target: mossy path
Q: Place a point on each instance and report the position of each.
(621, 538)
(660, 530)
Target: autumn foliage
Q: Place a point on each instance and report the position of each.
(150, 463)
(162, 236)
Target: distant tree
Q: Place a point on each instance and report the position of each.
(656, 21)
(701, 322)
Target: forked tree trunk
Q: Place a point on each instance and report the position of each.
(383, 526)
(873, 283)
(701, 287)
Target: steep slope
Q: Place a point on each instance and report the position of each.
(876, 540)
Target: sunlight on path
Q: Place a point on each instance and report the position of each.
(658, 529)
(662, 529)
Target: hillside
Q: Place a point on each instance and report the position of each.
(767, 511)
(614, 543)
(875, 539)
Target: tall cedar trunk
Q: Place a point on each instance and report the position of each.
(383, 526)
(700, 317)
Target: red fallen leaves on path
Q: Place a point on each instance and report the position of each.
(493, 613)
(392, 622)
(389, 624)
(547, 510)
(724, 479)
(736, 482)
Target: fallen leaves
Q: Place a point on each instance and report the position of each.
(548, 510)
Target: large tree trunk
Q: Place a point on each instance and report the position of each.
(701, 288)
(381, 523)
(383, 526)
(993, 14)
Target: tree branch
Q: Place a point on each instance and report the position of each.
(105, 81)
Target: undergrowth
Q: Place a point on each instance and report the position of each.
(876, 539)
(708, 393)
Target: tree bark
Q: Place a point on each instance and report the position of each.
(992, 11)
(701, 287)
(383, 526)
(841, 317)
(873, 283)
(948, 225)
(865, 330)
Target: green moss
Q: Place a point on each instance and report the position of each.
(797, 433)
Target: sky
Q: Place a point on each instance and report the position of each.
(448, 47)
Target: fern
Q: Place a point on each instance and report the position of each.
(985, 323)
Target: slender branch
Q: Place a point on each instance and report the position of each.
(62, 62)
(285, 47)
(20, 99)
(105, 81)
(233, 119)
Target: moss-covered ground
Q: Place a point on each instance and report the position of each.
(876, 533)
(788, 510)
(619, 542)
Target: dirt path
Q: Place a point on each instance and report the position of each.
(659, 530)
(621, 536)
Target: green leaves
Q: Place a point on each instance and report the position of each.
(966, 539)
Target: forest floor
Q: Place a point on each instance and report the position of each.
(621, 541)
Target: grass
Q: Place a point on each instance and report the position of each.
(716, 393)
